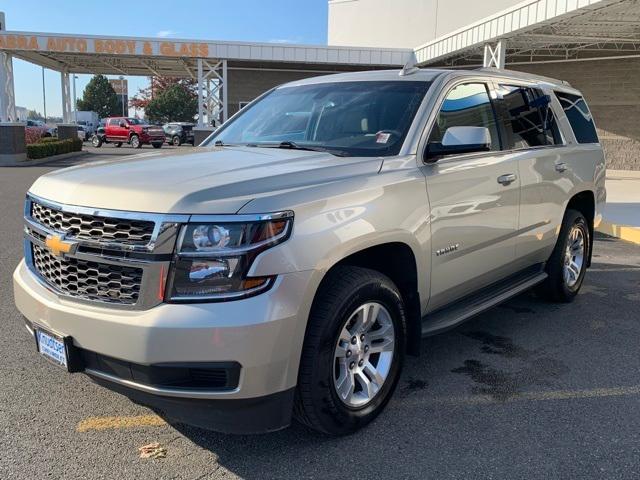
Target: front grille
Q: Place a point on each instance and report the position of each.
(88, 280)
(89, 227)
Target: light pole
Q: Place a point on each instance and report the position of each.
(44, 97)
(75, 102)
(122, 93)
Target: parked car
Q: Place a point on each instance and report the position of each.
(288, 266)
(119, 130)
(82, 134)
(35, 130)
(178, 133)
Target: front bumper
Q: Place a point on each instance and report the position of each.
(263, 334)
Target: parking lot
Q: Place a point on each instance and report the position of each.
(527, 390)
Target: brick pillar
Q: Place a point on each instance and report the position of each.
(67, 130)
(199, 134)
(12, 142)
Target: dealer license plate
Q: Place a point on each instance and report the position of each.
(52, 347)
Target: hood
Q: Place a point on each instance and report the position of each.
(201, 180)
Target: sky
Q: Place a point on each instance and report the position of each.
(288, 21)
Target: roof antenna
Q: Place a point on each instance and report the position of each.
(410, 67)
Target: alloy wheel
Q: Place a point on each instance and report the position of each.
(363, 355)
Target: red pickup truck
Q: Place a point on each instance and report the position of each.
(135, 132)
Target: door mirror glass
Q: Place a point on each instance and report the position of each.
(123, 124)
(459, 140)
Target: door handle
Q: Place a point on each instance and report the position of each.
(507, 178)
(561, 167)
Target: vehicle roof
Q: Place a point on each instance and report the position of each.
(429, 75)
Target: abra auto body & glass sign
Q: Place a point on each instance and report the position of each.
(111, 46)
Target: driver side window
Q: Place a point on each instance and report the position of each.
(466, 105)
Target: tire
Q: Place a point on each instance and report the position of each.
(157, 145)
(118, 144)
(96, 141)
(135, 141)
(568, 263)
(345, 291)
(176, 141)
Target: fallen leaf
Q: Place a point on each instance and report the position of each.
(152, 450)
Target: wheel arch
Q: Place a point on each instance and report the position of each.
(396, 260)
(585, 203)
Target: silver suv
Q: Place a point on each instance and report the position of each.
(285, 268)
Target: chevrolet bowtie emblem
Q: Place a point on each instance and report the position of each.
(58, 246)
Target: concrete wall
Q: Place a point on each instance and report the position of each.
(245, 85)
(403, 23)
(612, 90)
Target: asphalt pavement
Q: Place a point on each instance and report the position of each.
(527, 390)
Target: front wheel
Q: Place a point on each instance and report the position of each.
(568, 263)
(176, 141)
(353, 351)
(135, 141)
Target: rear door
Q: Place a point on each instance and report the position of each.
(535, 140)
(474, 201)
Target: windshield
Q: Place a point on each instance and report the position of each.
(353, 118)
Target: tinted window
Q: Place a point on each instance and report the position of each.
(366, 118)
(466, 105)
(530, 116)
(579, 117)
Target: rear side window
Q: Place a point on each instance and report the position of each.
(530, 117)
(579, 116)
(466, 105)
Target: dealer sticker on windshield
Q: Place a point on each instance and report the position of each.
(382, 137)
(52, 347)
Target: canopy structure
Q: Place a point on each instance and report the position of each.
(206, 61)
(541, 31)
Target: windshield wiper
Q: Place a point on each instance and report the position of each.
(294, 146)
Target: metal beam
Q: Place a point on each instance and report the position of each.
(495, 55)
(66, 97)
(7, 92)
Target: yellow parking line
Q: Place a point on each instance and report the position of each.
(106, 423)
(624, 232)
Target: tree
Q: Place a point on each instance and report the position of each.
(100, 97)
(34, 115)
(157, 85)
(174, 104)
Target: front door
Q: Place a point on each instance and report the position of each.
(474, 201)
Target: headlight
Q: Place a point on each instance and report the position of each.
(213, 257)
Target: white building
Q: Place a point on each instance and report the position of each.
(593, 44)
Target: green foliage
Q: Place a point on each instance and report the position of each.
(48, 140)
(48, 147)
(100, 97)
(34, 115)
(175, 104)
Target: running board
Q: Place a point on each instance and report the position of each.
(466, 308)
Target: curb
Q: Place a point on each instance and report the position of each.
(623, 232)
(41, 161)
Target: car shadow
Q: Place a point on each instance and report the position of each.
(524, 345)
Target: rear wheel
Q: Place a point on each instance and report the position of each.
(568, 262)
(96, 141)
(118, 144)
(176, 141)
(353, 351)
(135, 141)
(157, 145)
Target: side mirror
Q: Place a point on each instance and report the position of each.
(459, 140)
(123, 125)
